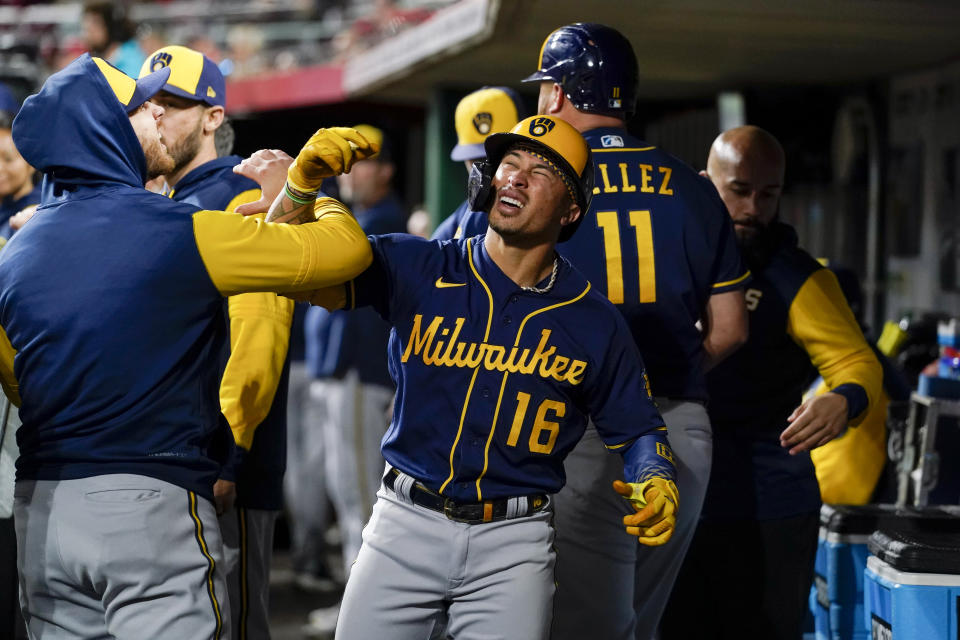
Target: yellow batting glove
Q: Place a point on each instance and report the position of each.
(656, 501)
(328, 152)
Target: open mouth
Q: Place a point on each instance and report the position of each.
(512, 203)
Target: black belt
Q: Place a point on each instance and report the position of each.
(467, 512)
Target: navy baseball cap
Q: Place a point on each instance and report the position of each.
(8, 102)
(192, 75)
(132, 93)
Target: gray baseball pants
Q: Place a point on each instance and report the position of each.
(118, 557)
(418, 570)
(305, 490)
(248, 550)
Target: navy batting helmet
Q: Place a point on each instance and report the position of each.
(594, 64)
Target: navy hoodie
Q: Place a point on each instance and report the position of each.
(111, 299)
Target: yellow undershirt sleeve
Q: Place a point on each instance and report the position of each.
(7, 379)
(259, 339)
(821, 322)
(244, 254)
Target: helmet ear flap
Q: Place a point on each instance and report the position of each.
(480, 185)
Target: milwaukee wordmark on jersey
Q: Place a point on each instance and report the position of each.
(495, 383)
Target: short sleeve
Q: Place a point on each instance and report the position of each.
(728, 271)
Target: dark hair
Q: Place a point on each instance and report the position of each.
(223, 138)
(6, 120)
(114, 16)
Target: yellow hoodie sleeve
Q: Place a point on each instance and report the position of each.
(244, 197)
(9, 381)
(333, 298)
(259, 338)
(821, 322)
(245, 254)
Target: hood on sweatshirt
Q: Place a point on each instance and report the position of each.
(76, 129)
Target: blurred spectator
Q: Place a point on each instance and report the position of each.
(109, 34)
(17, 188)
(204, 44)
(246, 46)
(151, 38)
(384, 21)
(70, 48)
(418, 224)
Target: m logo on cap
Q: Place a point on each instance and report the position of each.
(482, 122)
(541, 126)
(160, 61)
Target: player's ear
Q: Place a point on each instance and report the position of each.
(571, 216)
(703, 172)
(212, 119)
(556, 100)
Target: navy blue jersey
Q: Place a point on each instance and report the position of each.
(213, 185)
(657, 242)
(495, 383)
(449, 229)
(259, 472)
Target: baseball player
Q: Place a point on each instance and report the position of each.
(479, 114)
(658, 243)
(500, 350)
(761, 513)
(254, 385)
(111, 317)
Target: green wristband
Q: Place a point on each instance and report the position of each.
(298, 196)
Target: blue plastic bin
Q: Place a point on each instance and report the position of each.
(836, 598)
(912, 586)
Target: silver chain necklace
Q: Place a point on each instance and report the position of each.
(553, 278)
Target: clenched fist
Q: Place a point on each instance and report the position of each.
(328, 152)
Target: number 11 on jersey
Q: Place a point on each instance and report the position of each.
(609, 224)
